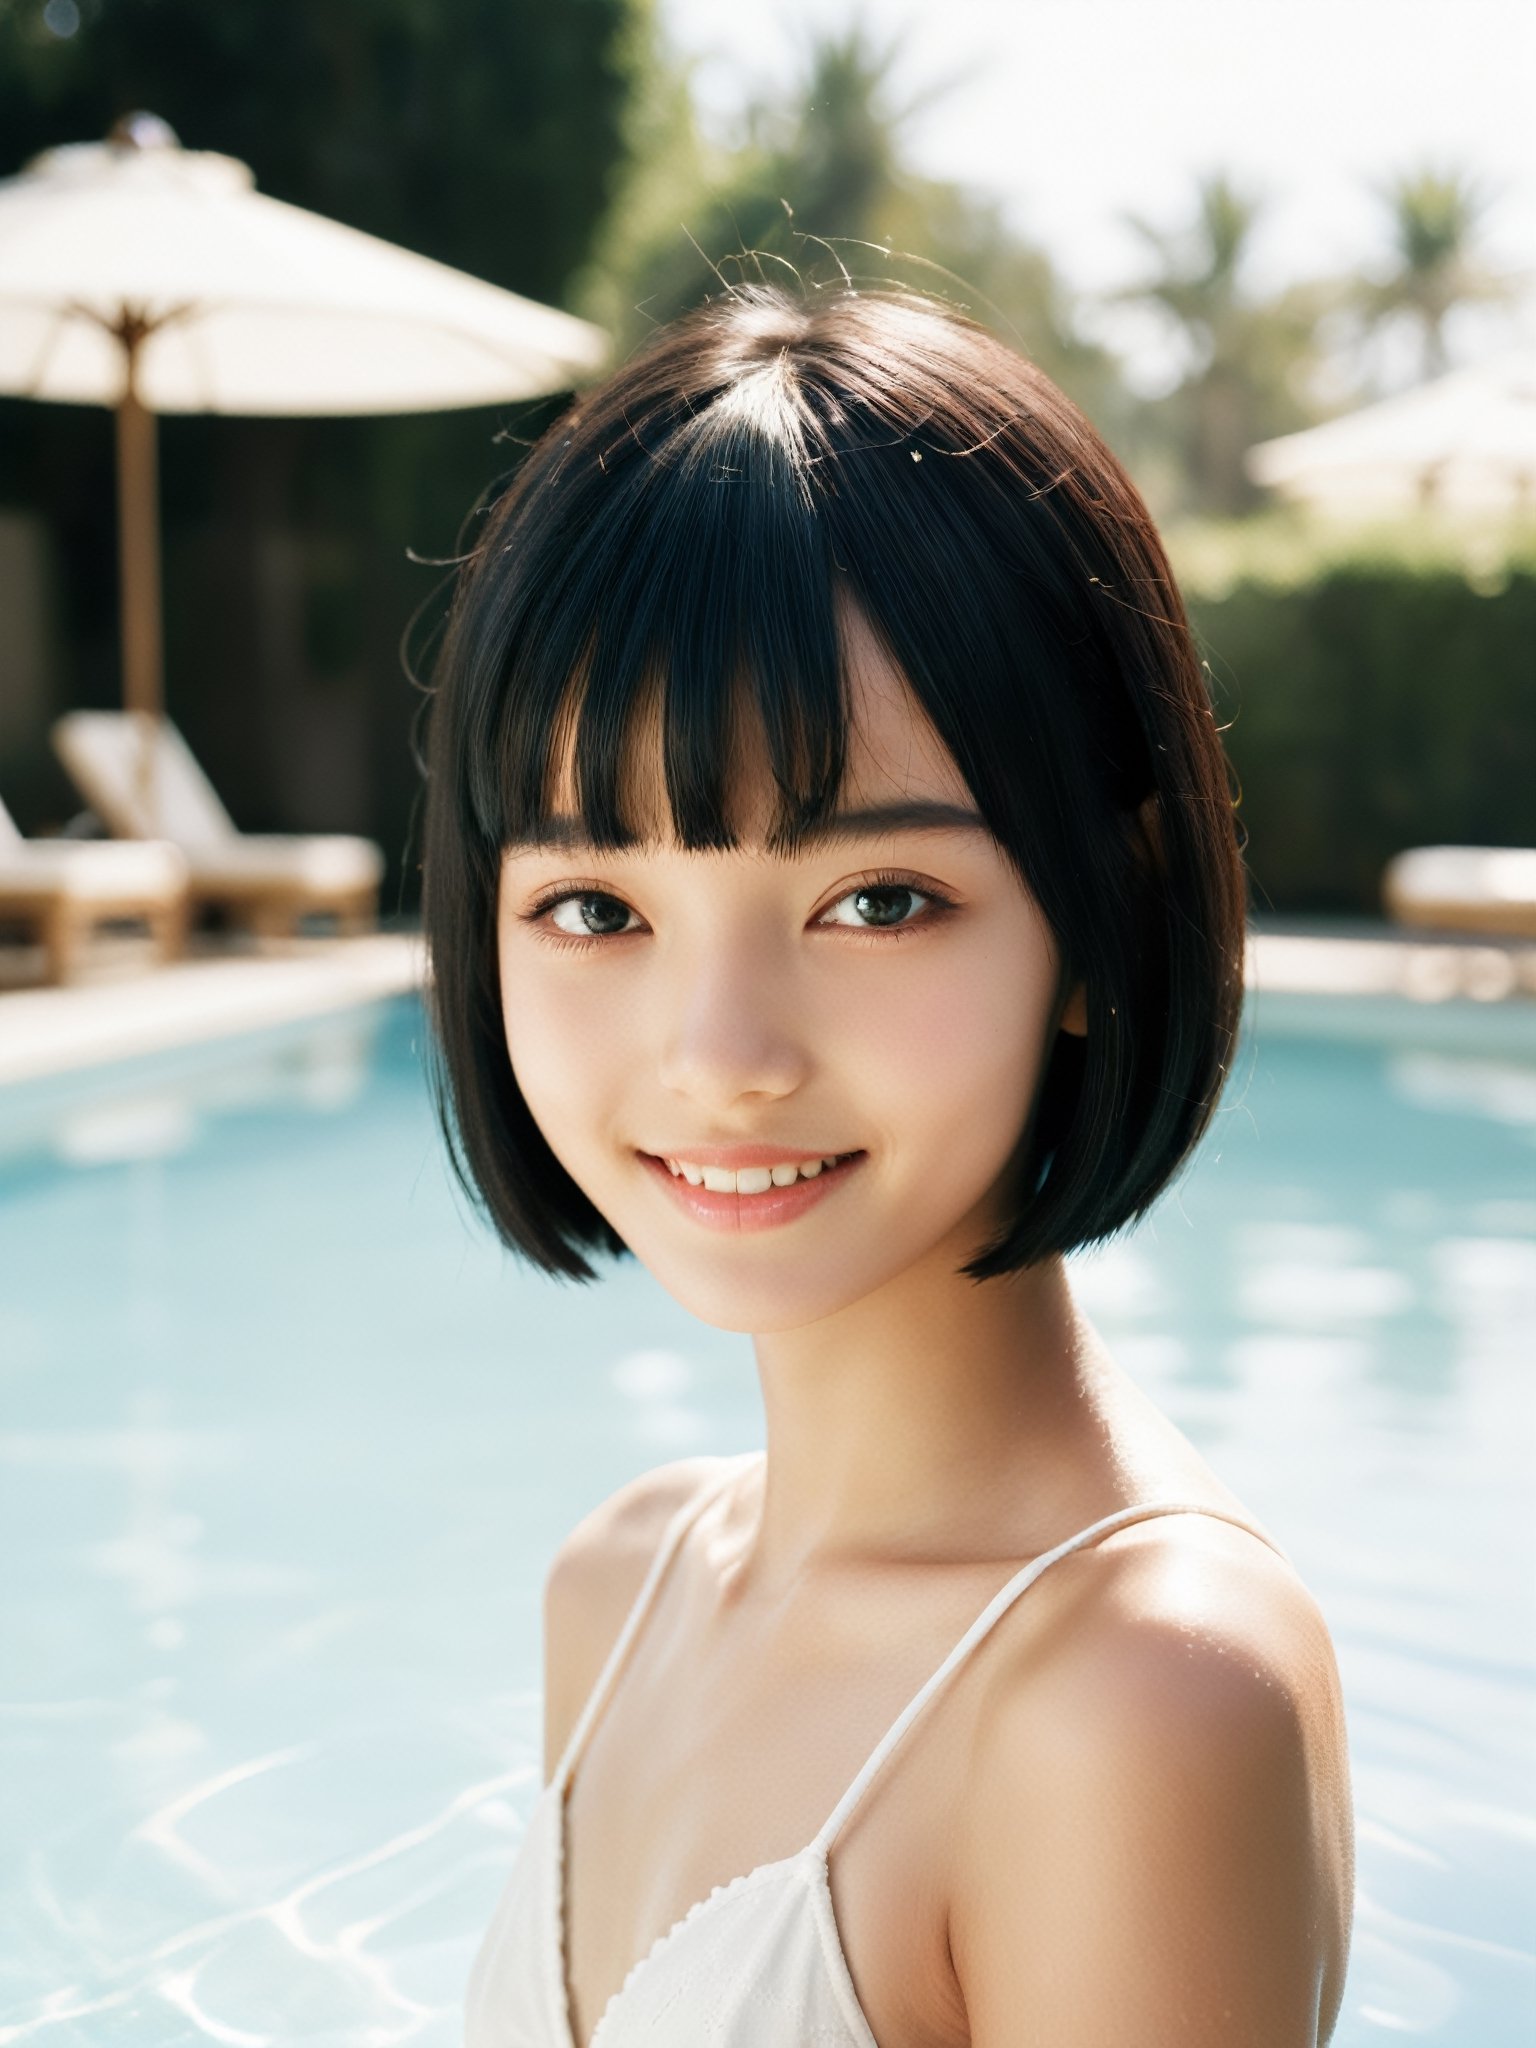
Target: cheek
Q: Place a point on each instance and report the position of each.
(953, 1053)
(565, 1047)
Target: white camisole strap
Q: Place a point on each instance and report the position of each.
(674, 1533)
(990, 1614)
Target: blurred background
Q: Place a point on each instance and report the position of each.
(286, 1441)
(1213, 226)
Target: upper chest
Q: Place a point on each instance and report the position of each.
(708, 1763)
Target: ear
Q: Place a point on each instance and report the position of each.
(1074, 1016)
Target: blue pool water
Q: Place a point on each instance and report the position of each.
(285, 1445)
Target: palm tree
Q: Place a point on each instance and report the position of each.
(1245, 355)
(843, 152)
(822, 160)
(1197, 281)
(1436, 216)
(819, 179)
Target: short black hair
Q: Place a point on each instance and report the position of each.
(685, 531)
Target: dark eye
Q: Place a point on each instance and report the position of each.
(879, 904)
(599, 916)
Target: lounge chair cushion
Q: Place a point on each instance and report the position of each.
(94, 871)
(312, 863)
(1468, 888)
(103, 752)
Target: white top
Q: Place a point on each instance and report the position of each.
(757, 1964)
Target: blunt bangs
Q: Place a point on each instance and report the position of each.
(678, 547)
(693, 580)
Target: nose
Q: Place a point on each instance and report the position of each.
(732, 1028)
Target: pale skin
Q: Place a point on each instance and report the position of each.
(1126, 1822)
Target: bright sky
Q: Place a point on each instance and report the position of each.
(1074, 110)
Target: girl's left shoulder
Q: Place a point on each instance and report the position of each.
(1179, 1628)
(1158, 1834)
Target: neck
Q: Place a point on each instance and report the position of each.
(928, 1423)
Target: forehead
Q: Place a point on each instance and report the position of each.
(898, 769)
(893, 748)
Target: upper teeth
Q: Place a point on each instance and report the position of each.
(751, 1180)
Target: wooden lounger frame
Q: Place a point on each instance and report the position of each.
(64, 923)
(271, 910)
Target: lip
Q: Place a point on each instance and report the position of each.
(735, 1156)
(739, 1213)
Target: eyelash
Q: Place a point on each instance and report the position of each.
(937, 904)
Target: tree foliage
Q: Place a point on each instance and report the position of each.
(482, 132)
(818, 183)
(1247, 355)
(1435, 216)
(1371, 703)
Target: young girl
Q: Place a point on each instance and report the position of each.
(834, 901)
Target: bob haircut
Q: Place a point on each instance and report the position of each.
(678, 541)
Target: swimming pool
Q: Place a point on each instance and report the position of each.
(286, 1444)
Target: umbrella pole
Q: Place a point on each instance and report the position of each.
(139, 568)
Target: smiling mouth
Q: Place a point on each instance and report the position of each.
(751, 1182)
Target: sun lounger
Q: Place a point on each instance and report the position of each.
(64, 888)
(1485, 889)
(266, 881)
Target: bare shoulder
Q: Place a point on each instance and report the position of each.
(1158, 1840)
(592, 1582)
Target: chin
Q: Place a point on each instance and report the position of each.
(750, 1307)
(753, 1305)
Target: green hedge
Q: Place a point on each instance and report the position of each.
(1376, 694)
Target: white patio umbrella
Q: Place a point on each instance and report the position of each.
(152, 279)
(1466, 442)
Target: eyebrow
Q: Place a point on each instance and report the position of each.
(569, 835)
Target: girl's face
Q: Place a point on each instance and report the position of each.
(892, 993)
